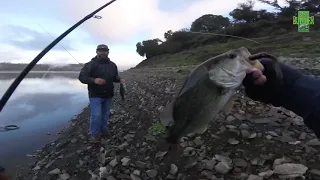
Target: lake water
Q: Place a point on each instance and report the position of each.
(39, 106)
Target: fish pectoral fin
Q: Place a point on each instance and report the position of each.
(202, 129)
(166, 115)
(228, 106)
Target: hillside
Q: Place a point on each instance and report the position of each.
(294, 45)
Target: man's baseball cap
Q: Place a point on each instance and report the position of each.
(102, 47)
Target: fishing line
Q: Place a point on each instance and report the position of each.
(226, 35)
(46, 72)
(61, 45)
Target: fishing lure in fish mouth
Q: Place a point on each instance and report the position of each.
(275, 62)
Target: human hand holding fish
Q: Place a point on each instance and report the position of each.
(209, 89)
(258, 77)
(123, 81)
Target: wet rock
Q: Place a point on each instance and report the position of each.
(105, 172)
(281, 161)
(209, 164)
(254, 177)
(136, 172)
(294, 170)
(245, 134)
(55, 171)
(223, 168)
(233, 141)
(125, 176)
(208, 174)
(189, 151)
(240, 162)
(160, 155)
(258, 161)
(152, 173)
(141, 165)
(74, 140)
(267, 173)
(36, 168)
(230, 118)
(315, 172)
(64, 176)
(125, 161)
(173, 169)
(303, 136)
(134, 177)
(111, 178)
(113, 163)
(313, 142)
(197, 141)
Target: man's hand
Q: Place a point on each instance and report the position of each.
(257, 76)
(122, 81)
(99, 81)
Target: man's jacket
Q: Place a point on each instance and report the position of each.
(100, 68)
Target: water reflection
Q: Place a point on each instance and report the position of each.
(38, 106)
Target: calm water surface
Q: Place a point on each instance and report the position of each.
(39, 106)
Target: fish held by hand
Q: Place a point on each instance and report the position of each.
(208, 89)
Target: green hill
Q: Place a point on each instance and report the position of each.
(288, 45)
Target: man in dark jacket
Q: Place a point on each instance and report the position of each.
(297, 92)
(100, 74)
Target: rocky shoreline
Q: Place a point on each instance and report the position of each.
(254, 142)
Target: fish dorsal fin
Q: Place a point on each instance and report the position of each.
(166, 115)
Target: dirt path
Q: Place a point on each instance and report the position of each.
(255, 142)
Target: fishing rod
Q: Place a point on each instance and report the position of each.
(27, 69)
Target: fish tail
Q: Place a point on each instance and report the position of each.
(275, 62)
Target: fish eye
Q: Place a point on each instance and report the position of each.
(232, 55)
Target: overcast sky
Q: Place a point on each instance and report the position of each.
(123, 24)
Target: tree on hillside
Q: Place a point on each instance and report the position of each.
(293, 6)
(148, 48)
(244, 13)
(140, 49)
(168, 34)
(209, 23)
(311, 5)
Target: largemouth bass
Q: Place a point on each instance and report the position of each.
(208, 90)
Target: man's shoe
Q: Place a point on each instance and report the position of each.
(94, 139)
(104, 134)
